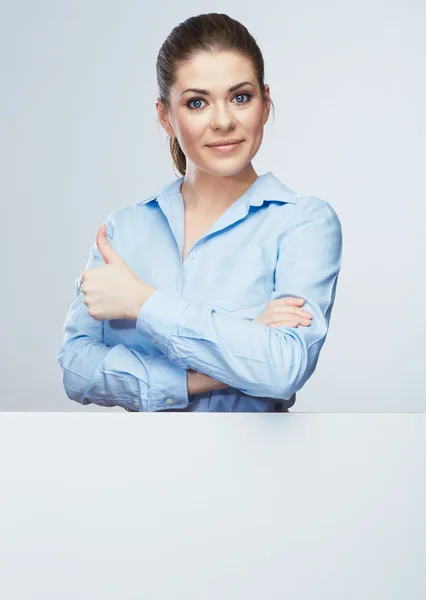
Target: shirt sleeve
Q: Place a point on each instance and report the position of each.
(258, 360)
(93, 372)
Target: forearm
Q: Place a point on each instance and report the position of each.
(198, 383)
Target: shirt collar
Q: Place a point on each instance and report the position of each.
(265, 188)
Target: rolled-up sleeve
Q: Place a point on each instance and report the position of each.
(258, 360)
(93, 372)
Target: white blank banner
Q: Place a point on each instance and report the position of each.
(211, 506)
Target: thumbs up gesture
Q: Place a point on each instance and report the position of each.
(113, 291)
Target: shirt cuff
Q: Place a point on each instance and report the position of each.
(159, 316)
(168, 385)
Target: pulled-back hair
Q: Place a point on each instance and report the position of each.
(211, 32)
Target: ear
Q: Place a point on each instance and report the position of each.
(267, 103)
(163, 117)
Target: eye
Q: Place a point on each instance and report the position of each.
(188, 104)
(194, 100)
(244, 94)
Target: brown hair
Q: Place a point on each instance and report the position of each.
(211, 32)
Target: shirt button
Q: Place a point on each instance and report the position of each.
(169, 401)
(136, 403)
(192, 254)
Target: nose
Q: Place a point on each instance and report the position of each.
(222, 118)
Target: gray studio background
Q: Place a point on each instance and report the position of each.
(207, 507)
(80, 138)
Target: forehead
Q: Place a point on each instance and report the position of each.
(214, 71)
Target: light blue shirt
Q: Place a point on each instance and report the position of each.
(268, 244)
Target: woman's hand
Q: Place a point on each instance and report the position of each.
(284, 311)
(113, 291)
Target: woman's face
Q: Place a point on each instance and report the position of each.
(198, 118)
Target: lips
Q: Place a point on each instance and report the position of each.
(227, 148)
(230, 142)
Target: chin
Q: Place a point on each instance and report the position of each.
(224, 166)
(224, 170)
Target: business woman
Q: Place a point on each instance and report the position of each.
(215, 292)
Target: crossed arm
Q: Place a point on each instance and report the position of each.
(201, 350)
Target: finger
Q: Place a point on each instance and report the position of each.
(298, 312)
(283, 315)
(303, 314)
(290, 323)
(300, 319)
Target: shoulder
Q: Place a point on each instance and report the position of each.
(314, 231)
(311, 209)
(132, 216)
(130, 211)
(315, 224)
(313, 205)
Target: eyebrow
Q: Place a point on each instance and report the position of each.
(206, 92)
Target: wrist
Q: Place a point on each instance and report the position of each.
(199, 383)
(193, 384)
(142, 294)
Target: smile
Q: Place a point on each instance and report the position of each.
(225, 147)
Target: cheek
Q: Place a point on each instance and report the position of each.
(190, 130)
(253, 119)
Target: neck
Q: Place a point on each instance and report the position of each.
(207, 194)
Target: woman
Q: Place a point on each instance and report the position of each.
(192, 298)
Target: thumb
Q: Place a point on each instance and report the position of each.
(107, 252)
